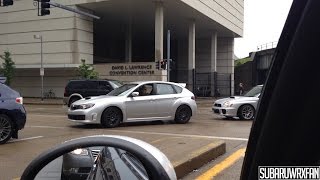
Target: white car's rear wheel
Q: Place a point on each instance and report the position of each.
(183, 114)
(111, 117)
(246, 112)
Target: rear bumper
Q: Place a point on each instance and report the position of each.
(20, 117)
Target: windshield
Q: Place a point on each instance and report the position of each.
(115, 84)
(122, 90)
(254, 91)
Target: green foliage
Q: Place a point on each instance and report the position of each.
(239, 62)
(86, 71)
(8, 67)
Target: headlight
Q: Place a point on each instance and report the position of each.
(85, 106)
(227, 104)
(82, 152)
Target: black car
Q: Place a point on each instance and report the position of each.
(78, 89)
(12, 113)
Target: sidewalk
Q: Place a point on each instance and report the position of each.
(55, 101)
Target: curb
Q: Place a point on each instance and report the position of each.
(197, 160)
(42, 103)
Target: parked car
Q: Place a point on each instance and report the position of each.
(78, 89)
(243, 107)
(12, 113)
(136, 101)
(77, 164)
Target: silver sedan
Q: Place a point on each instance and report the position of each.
(243, 107)
(136, 101)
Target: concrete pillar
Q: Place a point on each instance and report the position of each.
(158, 31)
(129, 43)
(213, 62)
(191, 54)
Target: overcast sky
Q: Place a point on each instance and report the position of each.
(263, 23)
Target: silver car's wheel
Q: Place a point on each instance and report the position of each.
(111, 117)
(246, 112)
(183, 114)
(6, 128)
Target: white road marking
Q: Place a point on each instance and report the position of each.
(155, 133)
(25, 139)
(184, 135)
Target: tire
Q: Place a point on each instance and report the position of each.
(6, 128)
(111, 117)
(183, 114)
(72, 100)
(246, 112)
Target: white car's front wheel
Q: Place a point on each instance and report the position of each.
(246, 112)
(111, 117)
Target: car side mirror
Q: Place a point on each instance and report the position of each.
(116, 157)
(135, 94)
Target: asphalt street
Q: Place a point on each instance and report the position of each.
(47, 125)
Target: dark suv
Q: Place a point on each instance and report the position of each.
(78, 89)
(12, 113)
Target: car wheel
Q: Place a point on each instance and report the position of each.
(183, 114)
(246, 112)
(72, 100)
(6, 128)
(111, 117)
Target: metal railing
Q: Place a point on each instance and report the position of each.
(269, 45)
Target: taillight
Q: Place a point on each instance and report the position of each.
(19, 100)
(192, 97)
(65, 92)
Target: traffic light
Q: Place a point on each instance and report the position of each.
(157, 65)
(7, 3)
(44, 7)
(163, 65)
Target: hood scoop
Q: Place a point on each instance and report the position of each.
(87, 98)
(232, 97)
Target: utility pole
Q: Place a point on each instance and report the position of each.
(168, 56)
(41, 66)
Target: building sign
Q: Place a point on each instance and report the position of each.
(131, 70)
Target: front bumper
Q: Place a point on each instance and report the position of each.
(225, 111)
(84, 116)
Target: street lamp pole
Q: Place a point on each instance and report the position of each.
(42, 70)
(41, 64)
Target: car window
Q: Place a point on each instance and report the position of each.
(115, 84)
(105, 85)
(77, 85)
(146, 90)
(165, 89)
(7, 92)
(177, 88)
(254, 91)
(122, 90)
(92, 84)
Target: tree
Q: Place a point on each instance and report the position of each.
(8, 67)
(86, 71)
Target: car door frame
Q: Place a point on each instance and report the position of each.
(145, 112)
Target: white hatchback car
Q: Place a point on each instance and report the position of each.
(136, 101)
(243, 107)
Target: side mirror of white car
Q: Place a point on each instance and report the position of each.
(116, 157)
(135, 94)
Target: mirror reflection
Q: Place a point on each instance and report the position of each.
(94, 163)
